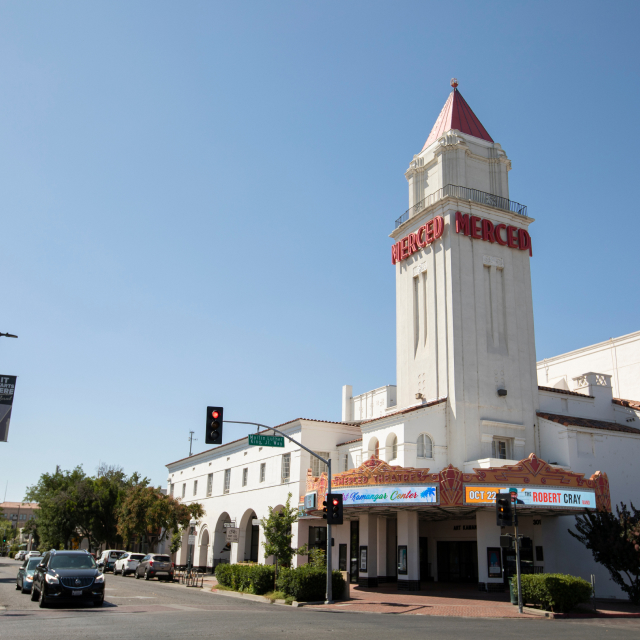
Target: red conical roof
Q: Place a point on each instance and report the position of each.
(457, 114)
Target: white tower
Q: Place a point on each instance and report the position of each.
(463, 292)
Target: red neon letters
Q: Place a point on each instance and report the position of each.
(425, 235)
(483, 229)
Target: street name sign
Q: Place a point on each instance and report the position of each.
(259, 440)
(229, 525)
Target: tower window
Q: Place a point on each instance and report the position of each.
(499, 449)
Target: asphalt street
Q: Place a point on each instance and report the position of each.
(156, 610)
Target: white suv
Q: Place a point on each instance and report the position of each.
(127, 563)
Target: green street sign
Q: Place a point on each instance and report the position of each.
(266, 441)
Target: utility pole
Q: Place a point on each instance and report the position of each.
(517, 541)
(191, 439)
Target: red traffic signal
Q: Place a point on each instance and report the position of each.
(213, 433)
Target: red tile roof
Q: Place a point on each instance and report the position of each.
(396, 413)
(570, 421)
(632, 404)
(568, 393)
(351, 441)
(457, 114)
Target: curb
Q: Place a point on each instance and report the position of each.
(239, 594)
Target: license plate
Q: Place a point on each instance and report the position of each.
(161, 573)
(76, 593)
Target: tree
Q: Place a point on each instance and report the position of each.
(59, 511)
(146, 511)
(614, 541)
(277, 533)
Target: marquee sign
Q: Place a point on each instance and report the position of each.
(389, 495)
(554, 497)
(539, 484)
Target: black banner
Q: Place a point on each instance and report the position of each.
(7, 389)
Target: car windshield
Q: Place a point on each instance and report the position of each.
(136, 556)
(162, 558)
(75, 561)
(33, 563)
(116, 554)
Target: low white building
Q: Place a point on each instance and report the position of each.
(419, 463)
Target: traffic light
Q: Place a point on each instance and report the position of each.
(335, 508)
(504, 513)
(213, 434)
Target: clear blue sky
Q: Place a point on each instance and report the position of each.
(196, 199)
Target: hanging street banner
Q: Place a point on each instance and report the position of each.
(259, 440)
(389, 494)
(549, 496)
(7, 388)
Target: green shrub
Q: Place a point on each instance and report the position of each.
(308, 583)
(254, 578)
(555, 591)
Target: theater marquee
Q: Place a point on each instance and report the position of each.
(558, 497)
(389, 495)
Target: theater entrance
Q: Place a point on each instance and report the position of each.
(457, 561)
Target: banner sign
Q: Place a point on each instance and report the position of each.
(389, 494)
(266, 441)
(311, 500)
(539, 496)
(7, 388)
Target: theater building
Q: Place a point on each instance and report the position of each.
(472, 413)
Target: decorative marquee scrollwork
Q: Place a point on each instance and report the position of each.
(530, 471)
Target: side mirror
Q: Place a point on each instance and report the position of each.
(41, 566)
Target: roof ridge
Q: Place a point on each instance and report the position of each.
(588, 423)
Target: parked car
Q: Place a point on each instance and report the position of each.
(107, 559)
(20, 555)
(127, 563)
(32, 554)
(155, 565)
(67, 576)
(24, 579)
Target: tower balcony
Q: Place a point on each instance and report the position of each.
(464, 193)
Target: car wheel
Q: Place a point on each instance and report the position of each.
(146, 574)
(42, 603)
(34, 594)
(137, 575)
(17, 586)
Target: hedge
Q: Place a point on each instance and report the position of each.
(305, 584)
(253, 578)
(555, 591)
(309, 584)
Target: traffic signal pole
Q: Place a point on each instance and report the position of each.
(517, 541)
(329, 594)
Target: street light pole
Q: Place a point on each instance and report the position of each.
(329, 594)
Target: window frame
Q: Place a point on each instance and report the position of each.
(245, 476)
(195, 487)
(209, 485)
(263, 471)
(227, 482)
(318, 466)
(424, 436)
(286, 457)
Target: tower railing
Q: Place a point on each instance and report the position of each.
(464, 193)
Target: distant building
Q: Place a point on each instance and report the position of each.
(19, 513)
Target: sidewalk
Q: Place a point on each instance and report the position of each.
(459, 601)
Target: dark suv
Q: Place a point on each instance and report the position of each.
(68, 576)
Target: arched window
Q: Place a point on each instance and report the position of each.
(374, 448)
(425, 446)
(394, 448)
